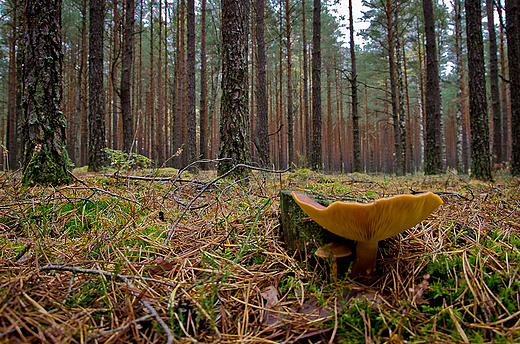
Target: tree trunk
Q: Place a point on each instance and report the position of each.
(262, 120)
(126, 113)
(203, 142)
(152, 130)
(12, 114)
(315, 160)
(81, 107)
(401, 91)
(113, 73)
(178, 138)
(480, 155)
(45, 157)
(234, 120)
(96, 147)
(433, 145)
(513, 54)
(393, 89)
(191, 144)
(160, 101)
(353, 84)
(493, 79)
(328, 120)
(307, 121)
(290, 114)
(504, 92)
(459, 162)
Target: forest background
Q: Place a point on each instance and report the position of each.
(160, 102)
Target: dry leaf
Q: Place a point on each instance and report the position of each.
(270, 294)
(160, 266)
(418, 291)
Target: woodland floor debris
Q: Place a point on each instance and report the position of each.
(89, 263)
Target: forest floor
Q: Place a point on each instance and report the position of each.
(169, 257)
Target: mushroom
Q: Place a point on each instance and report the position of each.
(333, 251)
(368, 223)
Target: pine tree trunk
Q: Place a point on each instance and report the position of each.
(480, 155)
(353, 84)
(45, 156)
(203, 142)
(126, 72)
(421, 115)
(191, 144)
(504, 93)
(160, 101)
(493, 79)
(401, 91)
(262, 121)
(459, 162)
(433, 145)
(290, 114)
(152, 133)
(96, 146)
(178, 139)
(393, 89)
(234, 120)
(513, 54)
(113, 73)
(328, 128)
(316, 161)
(81, 108)
(12, 116)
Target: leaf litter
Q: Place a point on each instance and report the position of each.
(192, 257)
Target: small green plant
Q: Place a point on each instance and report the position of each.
(127, 161)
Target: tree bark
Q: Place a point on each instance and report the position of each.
(45, 156)
(160, 101)
(308, 128)
(493, 79)
(513, 54)
(433, 145)
(393, 89)
(460, 163)
(191, 144)
(353, 84)
(126, 109)
(81, 130)
(401, 92)
(234, 120)
(152, 130)
(113, 92)
(96, 146)
(316, 161)
(12, 113)
(203, 142)
(504, 92)
(480, 155)
(290, 114)
(262, 120)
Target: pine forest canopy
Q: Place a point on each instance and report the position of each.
(156, 67)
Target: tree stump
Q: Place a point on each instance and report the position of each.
(301, 234)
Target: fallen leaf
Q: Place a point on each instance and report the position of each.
(160, 266)
(270, 294)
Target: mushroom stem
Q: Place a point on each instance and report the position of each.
(334, 268)
(365, 262)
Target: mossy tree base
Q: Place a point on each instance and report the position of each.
(302, 235)
(45, 156)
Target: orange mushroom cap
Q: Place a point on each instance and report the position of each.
(374, 221)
